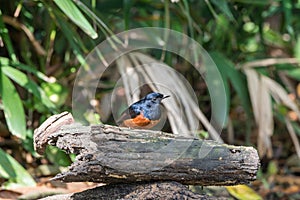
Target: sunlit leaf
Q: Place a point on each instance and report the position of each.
(13, 108)
(24, 81)
(273, 37)
(10, 169)
(71, 10)
(56, 92)
(243, 192)
(7, 62)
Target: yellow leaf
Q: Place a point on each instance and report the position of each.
(243, 192)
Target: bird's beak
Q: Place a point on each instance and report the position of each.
(165, 97)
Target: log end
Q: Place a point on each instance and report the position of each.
(50, 126)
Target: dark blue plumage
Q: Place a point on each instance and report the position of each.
(144, 113)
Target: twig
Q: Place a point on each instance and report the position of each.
(268, 62)
(13, 22)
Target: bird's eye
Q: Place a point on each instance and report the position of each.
(154, 99)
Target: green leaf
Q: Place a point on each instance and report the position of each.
(28, 143)
(296, 127)
(10, 169)
(13, 108)
(5, 37)
(223, 6)
(273, 37)
(73, 39)
(71, 10)
(287, 11)
(236, 78)
(23, 80)
(295, 73)
(224, 79)
(127, 5)
(6, 62)
(57, 156)
(56, 92)
(219, 94)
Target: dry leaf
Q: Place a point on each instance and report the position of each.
(262, 108)
(253, 87)
(293, 136)
(280, 95)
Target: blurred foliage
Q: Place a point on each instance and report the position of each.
(43, 43)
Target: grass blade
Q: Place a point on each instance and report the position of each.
(7, 62)
(223, 6)
(5, 37)
(71, 10)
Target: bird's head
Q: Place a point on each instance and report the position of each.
(155, 97)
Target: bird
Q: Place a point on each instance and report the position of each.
(143, 114)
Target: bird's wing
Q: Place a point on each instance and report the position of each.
(131, 112)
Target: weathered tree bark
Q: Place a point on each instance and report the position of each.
(50, 126)
(110, 154)
(159, 190)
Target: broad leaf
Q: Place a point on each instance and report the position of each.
(23, 80)
(7, 62)
(13, 108)
(237, 79)
(10, 169)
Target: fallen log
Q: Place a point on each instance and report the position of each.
(159, 190)
(110, 154)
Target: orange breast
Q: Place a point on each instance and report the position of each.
(140, 122)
